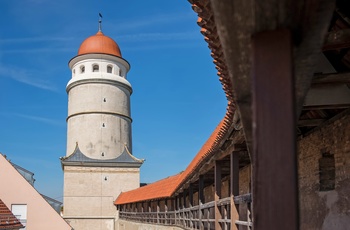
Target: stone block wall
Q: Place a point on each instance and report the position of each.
(324, 176)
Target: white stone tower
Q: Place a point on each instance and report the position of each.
(98, 163)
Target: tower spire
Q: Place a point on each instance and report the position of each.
(100, 22)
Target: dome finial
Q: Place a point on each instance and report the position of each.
(100, 22)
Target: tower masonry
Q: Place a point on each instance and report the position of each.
(99, 164)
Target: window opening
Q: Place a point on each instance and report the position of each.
(82, 69)
(109, 69)
(95, 68)
(327, 172)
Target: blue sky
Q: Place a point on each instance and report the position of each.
(177, 100)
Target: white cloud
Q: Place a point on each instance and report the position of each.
(26, 77)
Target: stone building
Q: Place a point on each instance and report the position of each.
(99, 164)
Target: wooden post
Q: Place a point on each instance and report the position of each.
(275, 187)
(201, 200)
(158, 211)
(217, 195)
(183, 207)
(234, 188)
(190, 204)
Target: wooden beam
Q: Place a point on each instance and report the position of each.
(310, 122)
(275, 187)
(332, 96)
(235, 23)
(217, 195)
(334, 78)
(234, 188)
(336, 40)
(312, 19)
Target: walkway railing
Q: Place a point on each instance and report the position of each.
(199, 216)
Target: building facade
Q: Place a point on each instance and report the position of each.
(29, 206)
(99, 164)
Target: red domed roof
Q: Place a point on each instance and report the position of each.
(99, 43)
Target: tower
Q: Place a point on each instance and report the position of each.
(99, 163)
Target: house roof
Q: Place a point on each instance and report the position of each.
(7, 219)
(160, 189)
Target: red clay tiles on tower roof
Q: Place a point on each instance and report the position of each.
(7, 219)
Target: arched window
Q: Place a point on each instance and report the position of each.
(73, 72)
(109, 69)
(120, 72)
(82, 69)
(95, 68)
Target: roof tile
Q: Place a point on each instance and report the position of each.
(7, 219)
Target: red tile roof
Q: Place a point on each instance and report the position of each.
(166, 187)
(160, 189)
(99, 43)
(7, 219)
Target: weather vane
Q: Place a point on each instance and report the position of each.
(100, 22)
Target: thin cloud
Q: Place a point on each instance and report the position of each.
(158, 36)
(35, 39)
(39, 50)
(40, 119)
(25, 77)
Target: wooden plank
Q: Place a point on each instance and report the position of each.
(234, 187)
(217, 195)
(275, 167)
(245, 223)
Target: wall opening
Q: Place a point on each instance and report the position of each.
(95, 68)
(327, 172)
(109, 69)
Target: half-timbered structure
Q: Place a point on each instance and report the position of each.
(280, 158)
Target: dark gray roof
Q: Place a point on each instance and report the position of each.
(77, 158)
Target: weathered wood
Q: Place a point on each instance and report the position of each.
(201, 199)
(332, 96)
(158, 210)
(310, 123)
(235, 24)
(217, 195)
(312, 19)
(245, 223)
(190, 195)
(333, 78)
(274, 167)
(243, 199)
(337, 40)
(234, 187)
